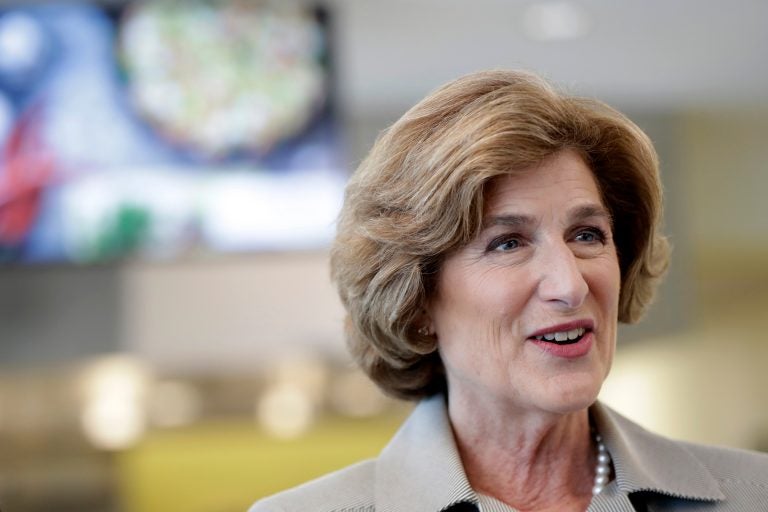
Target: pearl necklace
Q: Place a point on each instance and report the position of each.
(603, 468)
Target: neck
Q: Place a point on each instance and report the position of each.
(531, 460)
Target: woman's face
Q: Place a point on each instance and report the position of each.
(526, 313)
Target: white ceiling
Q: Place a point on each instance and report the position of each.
(641, 53)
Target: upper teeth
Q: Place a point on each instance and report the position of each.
(562, 335)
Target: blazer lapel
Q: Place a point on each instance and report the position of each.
(644, 461)
(420, 469)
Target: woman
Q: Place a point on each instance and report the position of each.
(487, 248)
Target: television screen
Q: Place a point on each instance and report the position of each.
(163, 128)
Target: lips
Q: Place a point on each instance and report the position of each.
(569, 340)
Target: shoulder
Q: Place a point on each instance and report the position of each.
(732, 466)
(741, 476)
(347, 490)
(676, 475)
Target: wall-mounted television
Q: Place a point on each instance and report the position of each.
(162, 129)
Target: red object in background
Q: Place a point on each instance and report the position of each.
(26, 168)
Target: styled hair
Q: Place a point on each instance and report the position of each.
(419, 193)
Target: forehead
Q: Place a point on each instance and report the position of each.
(559, 179)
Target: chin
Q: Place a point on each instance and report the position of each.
(575, 396)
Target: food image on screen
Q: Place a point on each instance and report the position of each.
(224, 76)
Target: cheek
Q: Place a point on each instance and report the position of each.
(606, 278)
(469, 316)
(496, 304)
(614, 284)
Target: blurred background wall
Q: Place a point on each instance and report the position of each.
(205, 380)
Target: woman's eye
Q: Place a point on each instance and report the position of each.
(590, 235)
(504, 244)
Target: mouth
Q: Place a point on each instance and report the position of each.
(563, 337)
(570, 340)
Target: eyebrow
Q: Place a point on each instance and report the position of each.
(576, 214)
(589, 211)
(508, 220)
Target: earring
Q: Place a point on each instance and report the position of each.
(424, 331)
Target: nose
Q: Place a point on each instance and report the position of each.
(561, 280)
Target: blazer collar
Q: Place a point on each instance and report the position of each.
(644, 461)
(420, 469)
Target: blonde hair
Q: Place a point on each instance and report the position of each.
(418, 195)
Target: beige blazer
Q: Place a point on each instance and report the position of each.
(420, 471)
